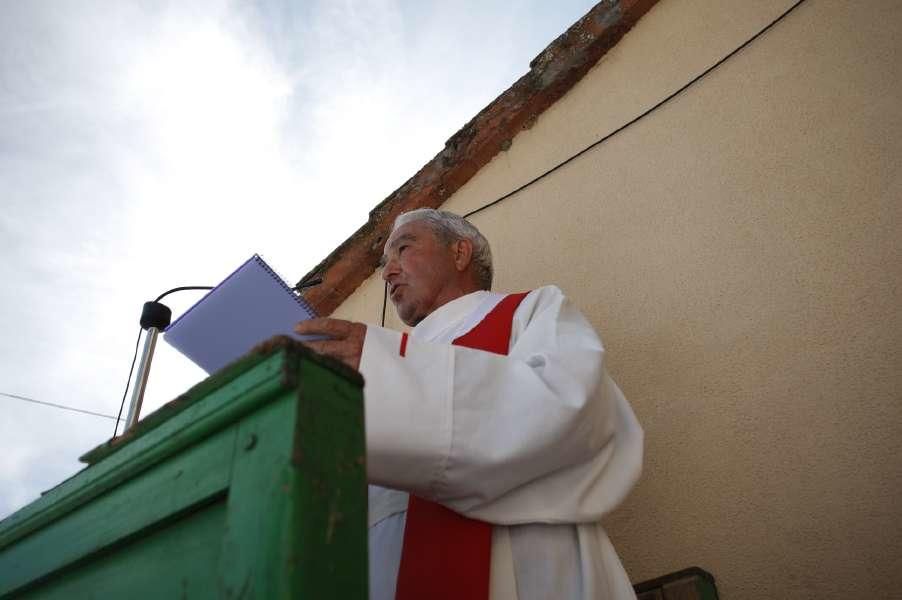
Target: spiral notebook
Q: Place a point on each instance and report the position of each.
(250, 305)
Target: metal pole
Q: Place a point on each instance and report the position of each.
(134, 407)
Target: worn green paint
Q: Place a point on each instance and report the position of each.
(180, 550)
(251, 485)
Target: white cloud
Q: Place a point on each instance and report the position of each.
(146, 146)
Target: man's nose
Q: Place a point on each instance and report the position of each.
(390, 270)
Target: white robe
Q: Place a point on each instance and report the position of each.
(541, 443)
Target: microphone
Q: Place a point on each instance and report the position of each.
(155, 317)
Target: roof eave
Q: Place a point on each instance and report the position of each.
(552, 74)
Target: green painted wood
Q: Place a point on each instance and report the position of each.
(330, 453)
(251, 485)
(142, 450)
(260, 501)
(303, 481)
(123, 573)
(190, 478)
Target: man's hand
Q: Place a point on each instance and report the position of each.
(346, 338)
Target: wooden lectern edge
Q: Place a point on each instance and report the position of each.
(278, 379)
(21, 522)
(220, 378)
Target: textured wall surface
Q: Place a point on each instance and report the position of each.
(740, 253)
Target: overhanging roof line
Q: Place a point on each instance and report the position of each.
(552, 73)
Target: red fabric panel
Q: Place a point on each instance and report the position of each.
(493, 333)
(403, 349)
(447, 556)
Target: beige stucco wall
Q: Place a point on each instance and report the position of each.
(739, 251)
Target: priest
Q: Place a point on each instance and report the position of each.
(496, 440)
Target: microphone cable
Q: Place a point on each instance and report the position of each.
(54, 405)
(632, 121)
(138, 343)
(642, 115)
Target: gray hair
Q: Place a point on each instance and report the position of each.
(450, 228)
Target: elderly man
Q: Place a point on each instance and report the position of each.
(496, 440)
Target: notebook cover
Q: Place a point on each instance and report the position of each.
(249, 306)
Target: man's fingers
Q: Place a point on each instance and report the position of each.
(335, 328)
(344, 338)
(336, 348)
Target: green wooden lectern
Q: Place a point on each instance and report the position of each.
(250, 485)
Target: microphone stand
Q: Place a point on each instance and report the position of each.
(154, 318)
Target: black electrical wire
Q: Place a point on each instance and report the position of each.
(62, 406)
(536, 179)
(131, 369)
(182, 289)
(642, 115)
(622, 127)
(127, 382)
(384, 301)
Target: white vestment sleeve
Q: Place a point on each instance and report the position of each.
(540, 435)
(408, 432)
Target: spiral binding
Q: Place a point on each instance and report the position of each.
(297, 298)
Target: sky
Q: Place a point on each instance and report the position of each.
(146, 145)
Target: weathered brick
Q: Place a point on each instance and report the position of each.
(552, 73)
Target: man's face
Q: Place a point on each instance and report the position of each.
(418, 269)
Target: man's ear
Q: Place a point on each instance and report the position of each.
(463, 254)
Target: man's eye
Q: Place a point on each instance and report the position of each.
(402, 248)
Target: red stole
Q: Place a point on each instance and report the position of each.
(447, 556)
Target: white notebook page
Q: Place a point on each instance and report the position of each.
(249, 306)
